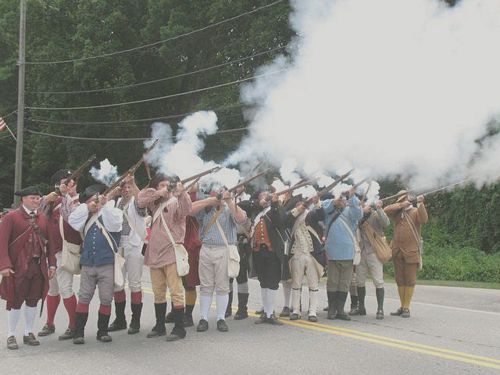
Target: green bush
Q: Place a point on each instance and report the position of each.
(452, 262)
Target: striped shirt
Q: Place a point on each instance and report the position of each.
(213, 236)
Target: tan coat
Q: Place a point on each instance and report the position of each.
(404, 240)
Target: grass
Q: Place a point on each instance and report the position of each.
(458, 284)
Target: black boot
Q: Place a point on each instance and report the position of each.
(170, 316)
(242, 312)
(178, 332)
(120, 322)
(229, 308)
(188, 316)
(360, 309)
(135, 323)
(332, 305)
(354, 305)
(159, 328)
(102, 328)
(380, 302)
(341, 298)
(81, 321)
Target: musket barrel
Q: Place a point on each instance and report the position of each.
(202, 174)
(246, 181)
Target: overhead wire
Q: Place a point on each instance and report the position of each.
(209, 26)
(111, 105)
(160, 79)
(141, 120)
(52, 135)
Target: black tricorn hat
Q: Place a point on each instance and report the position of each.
(91, 191)
(59, 175)
(30, 190)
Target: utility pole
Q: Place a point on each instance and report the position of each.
(20, 101)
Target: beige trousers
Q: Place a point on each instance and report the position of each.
(303, 264)
(164, 277)
(370, 265)
(212, 270)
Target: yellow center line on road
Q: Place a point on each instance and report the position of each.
(433, 351)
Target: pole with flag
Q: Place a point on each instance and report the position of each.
(3, 127)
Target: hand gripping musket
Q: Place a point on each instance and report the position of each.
(428, 192)
(76, 173)
(328, 188)
(130, 172)
(198, 176)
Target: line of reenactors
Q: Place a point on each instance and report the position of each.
(190, 239)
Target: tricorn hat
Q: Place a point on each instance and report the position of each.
(59, 175)
(402, 195)
(30, 190)
(91, 191)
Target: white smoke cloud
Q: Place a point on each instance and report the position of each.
(107, 173)
(182, 157)
(388, 87)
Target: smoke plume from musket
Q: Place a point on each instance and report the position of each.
(107, 173)
(389, 87)
(181, 156)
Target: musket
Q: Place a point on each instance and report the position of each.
(337, 181)
(76, 173)
(328, 188)
(247, 180)
(131, 171)
(428, 192)
(298, 185)
(202, 174)
(367, 191)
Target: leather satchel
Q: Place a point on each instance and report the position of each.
(70, 254)
(181, 254)
(233, 261)
(379, 243)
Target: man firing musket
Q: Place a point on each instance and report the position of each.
(57, 206)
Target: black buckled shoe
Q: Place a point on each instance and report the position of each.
(202, 326)
(30, 340)
(47, 329)
(405, 313)
(222, 326)
(67, 335)
(12, 343)
(285, 313)
(380, 314)
(398, 312)
(294, 316)
(188, 321)
(312, 318)
(117, 325)
(273, 320)
(104, 337)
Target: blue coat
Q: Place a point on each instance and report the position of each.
(96, 250)
(339, 243)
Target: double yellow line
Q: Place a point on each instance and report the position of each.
(395, 343)
(433, 351)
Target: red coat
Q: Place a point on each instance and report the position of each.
(70, 235)
(192, 243)
(19, 255)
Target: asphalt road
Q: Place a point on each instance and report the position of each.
(451, 331)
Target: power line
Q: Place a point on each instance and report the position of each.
(158, 42)
(166, 117)
(9, 114)
(160, 79)
(52, 135)
(238, 81)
